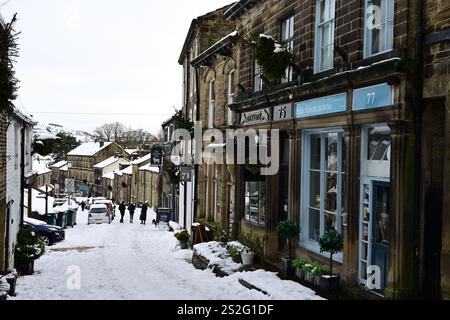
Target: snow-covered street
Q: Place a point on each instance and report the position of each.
(137, 262)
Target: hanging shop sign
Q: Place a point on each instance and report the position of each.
(255, 117)
(156, 158)
(321, 106)
(186, 174)
(378, 96)
(283, 112)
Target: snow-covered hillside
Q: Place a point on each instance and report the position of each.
(49, 131)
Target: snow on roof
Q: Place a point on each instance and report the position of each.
(88, 149)
(40, 165)
(109, 176)
(65, 168)
(59, 165)
(140, 160)
(128, 170)
(149, 168)
(131, 151)
(106, 163)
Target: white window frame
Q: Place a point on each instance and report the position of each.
(211, 103)
(305, 240)
(231, 95)
(331, 7)
(287, 38)
(389, 15)
(257, 80)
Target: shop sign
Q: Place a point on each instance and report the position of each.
(283, 112)
(321, 106)
(255, 117)
(156, 156)
(378, 96)
(186, 174)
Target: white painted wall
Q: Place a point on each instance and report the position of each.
(13, 178)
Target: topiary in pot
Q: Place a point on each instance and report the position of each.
(183, 237)
(289, 230)
(332, 242)
(29, 248)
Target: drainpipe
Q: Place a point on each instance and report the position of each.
(418, 113)
(22, 174)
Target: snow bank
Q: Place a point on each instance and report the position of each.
(217, 256)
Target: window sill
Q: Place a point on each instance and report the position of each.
(314, 247)
(255, 225)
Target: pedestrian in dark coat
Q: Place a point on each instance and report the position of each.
(122, 209)
(131, 210)
(83, 205)
(143, 216)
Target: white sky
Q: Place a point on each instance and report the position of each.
(102, 56)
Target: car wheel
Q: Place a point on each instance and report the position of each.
(46, 240)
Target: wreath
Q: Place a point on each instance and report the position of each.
(273, 57)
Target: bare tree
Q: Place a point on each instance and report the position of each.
(139, 139)
(111, 132)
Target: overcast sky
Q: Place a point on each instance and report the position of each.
(102, 56)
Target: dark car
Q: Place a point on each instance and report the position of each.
(50, 234)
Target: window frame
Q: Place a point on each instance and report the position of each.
(368, 41)
(305, 240)
(257, 77)
(318, 67)
(211, 103)
(262, 201)
(231, 94)
(289, 41)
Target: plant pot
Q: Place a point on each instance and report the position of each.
(317, 281)
(12, 281)
(300, 273)
(248, 259)
(307, 276)
(26, 269)
(184, 245)
(288, 269)
(330, 284)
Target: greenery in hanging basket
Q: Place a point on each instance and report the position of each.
(171, 172)
(181, 122)
(273, 57)
(29, 248)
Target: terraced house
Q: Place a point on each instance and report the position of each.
(362, 144)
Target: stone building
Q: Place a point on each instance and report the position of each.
(169, 189)
(351, 117)
(59, 175)
(434, 197)
(2, 188)
(138, 182)
(217, 68)
(104, 168)
(83, 159)
(41, 167)
(149, 186)
(204, 31)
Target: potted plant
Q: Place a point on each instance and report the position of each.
(317, 273)
(298, 264)
(248, 256)
(29, 248)
(235, 253)
(289, 230)
(333, 243)
(307, 269)
(183, 237)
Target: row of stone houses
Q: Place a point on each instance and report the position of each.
(362, 114)
(105, 169)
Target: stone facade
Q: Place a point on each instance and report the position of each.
(2, 188)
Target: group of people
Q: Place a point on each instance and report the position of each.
(132, 209)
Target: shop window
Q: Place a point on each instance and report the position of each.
(287, 39)
(377, 146)
(379, 27)
(255, 202)
(325, 20)
(323, 185)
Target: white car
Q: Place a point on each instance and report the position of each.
(110, 205)
(98, 214)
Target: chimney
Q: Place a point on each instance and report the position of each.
(102, 143)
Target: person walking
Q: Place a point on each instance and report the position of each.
(122, 209)
(144, 210)
(131, 210)
(83, 205)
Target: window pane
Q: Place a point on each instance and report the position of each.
(314, 224)
(331, 192)
(315, 151)
(323, 11)
(262, 203)
(331, 144)
(315, 197)
(330, 222)
(379, 143)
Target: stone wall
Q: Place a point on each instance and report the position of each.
(2, 187)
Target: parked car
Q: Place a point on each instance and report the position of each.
(91, 201)
(50, 234)
(99, 214)
(110, 205)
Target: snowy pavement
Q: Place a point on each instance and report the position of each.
(138, 262)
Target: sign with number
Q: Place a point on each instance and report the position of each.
(255, 117)
(321, 106)
(186, 174)
(283, 112)
(70, 186)
(378, 96)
